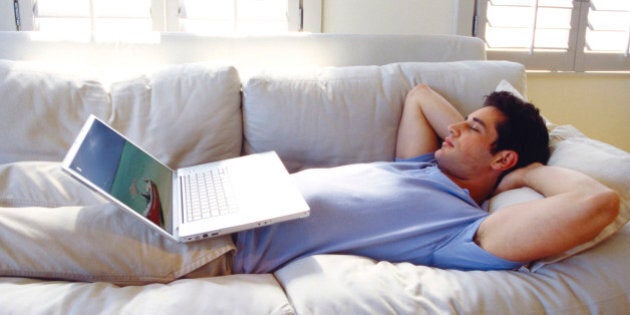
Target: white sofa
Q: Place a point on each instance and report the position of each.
(318, 100)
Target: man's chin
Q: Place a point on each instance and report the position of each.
(438, 153)
(441, 158)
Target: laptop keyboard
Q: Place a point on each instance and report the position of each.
(207, 194)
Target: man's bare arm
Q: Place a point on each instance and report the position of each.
(425, 119)
(575, 209)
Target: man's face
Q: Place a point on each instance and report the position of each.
(466, 151)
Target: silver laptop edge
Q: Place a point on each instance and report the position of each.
(188, 234)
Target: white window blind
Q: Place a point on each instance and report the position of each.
(234, 16)
(561, 35)
(115, 17)
(120, 18)
(608, 26)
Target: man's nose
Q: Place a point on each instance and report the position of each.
(455, 129)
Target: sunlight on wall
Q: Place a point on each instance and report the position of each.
(597, 104)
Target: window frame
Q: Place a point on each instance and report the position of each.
(302, 15)
(574, 59)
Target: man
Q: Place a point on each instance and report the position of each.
(576, 209)
(425, 208)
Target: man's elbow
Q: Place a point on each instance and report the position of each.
(418, 93)
(600, 208)
(606, 203)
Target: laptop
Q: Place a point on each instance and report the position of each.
(190, 203)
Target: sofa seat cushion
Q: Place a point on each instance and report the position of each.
(239, 294)
(591, 282)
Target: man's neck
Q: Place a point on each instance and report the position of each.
(480, 189)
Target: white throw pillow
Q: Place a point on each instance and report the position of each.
(603, 162)
(506, 86)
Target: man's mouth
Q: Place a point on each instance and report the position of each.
(447, 143)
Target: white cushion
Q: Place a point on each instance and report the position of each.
(85, 239)
(605, 163)
(506, 86)
(183, 115)
(597, 281)
(331, 116)
(465, 84)
(239, 294)
(42, 184)
(42, 111)
(334, 116)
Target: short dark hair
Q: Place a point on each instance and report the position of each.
(523, 130)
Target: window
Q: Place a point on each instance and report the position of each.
(88, 17)
(120, 18)
(558, 35)
(242, 16)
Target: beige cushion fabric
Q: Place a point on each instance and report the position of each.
(59, 229)
(241, 294)
(182, 114)
(42, 111)
(603, 162)
(42, 184)
(334, 116)
(596, 281)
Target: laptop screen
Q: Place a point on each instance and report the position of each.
(126, 173)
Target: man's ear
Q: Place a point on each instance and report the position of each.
(504, 160)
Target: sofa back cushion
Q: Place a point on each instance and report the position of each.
(184, 114)
(42, 110)
(333, 116)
